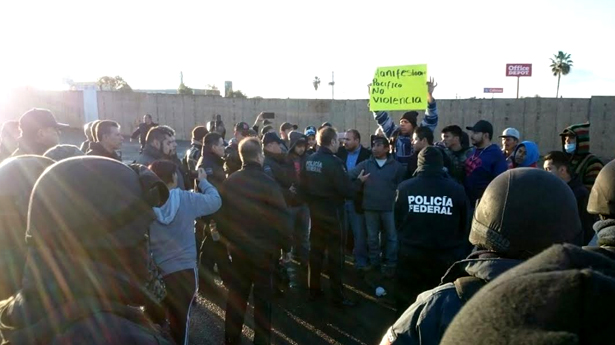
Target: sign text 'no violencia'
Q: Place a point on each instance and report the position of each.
(399, 88)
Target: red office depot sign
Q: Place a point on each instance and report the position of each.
(518, 69)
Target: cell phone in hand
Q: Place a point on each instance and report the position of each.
(268, 115)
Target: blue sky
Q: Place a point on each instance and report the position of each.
(275, 48)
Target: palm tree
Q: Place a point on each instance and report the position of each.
(560, 64)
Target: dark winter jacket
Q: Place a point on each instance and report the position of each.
(413, 163)
(193, 154)
(364, 154)
(482, 166)
(425, 321)
(380, 187)
(96, 149)
(431, 212)
(458, 159)
(282, 171)
(150, 154)
(87, 266)
(587, 220)
(85, 146)
(214, 168)
(232, 161)
(28, 147)
(253, 217)
(582, 162)
(563, 295)
(325, 180)
(141, 132)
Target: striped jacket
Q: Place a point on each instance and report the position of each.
(582, 162)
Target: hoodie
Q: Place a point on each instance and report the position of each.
(482, 166)
(531, 155)
(582, 162)
(172, 233)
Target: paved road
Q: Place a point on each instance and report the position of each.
(296, 320)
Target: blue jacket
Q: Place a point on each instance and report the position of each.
(482, 166)
(531, 155)
(425, 321)
(402, 148)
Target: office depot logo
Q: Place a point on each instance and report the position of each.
(519, 70)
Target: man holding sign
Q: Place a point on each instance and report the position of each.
(403, 88)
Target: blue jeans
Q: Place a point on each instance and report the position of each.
(373, 221)
(300, 227)
(356, 222)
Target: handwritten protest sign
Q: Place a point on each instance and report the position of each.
(399, 88)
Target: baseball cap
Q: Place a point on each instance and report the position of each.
(510, 132)
(271, 137)
(37, 118)
(374, 139)
(286, 126)
(310, 130)
(482, 126)
(243, 128)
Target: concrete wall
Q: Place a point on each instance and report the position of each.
(538, 119)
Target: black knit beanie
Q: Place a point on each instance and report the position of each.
(411, 117)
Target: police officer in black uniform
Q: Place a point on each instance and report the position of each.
(193, 154)
(253, 219)
(325, 185)
(211, 248)
(431, 213)
(232, 162)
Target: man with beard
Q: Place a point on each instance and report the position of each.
(485, 162)
(161, 144)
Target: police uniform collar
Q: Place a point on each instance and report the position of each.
(325, 150)
(212, 156)
(252, 165)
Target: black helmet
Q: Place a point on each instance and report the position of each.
(602, 198)
(87, 227)
(524, 211)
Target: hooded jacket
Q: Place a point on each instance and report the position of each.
(172, 234)
(564, 295)
(531, 155)
(380, 187)
(425, 321)
(582, 162)
(431, 212)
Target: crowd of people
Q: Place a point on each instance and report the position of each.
(90, 242)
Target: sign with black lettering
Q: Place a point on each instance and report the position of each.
(399, 88)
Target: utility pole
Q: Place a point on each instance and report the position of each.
(332, 83)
